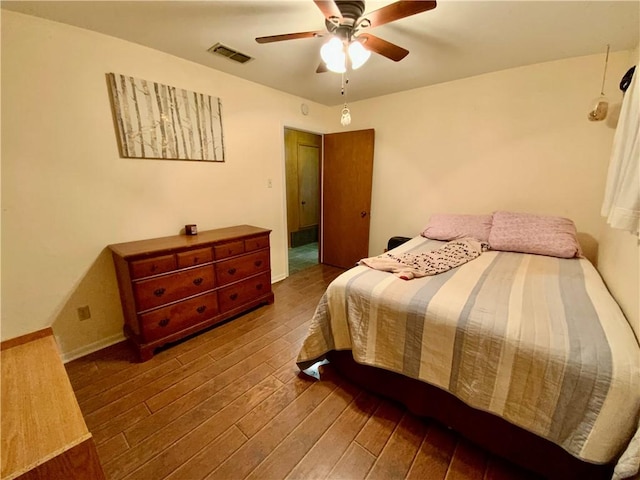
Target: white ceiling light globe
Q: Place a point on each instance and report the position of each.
(333, 55)
(358, 54)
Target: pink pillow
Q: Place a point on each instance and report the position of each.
(539, 234)
(448, 227)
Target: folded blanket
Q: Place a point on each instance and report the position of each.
(410, 265)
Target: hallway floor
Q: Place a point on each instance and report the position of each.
(303, 257)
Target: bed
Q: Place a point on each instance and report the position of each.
(526, 354)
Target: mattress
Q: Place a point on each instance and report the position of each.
(536, 340)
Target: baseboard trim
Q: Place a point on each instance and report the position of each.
(107, 342)
(92, 347)
(278, 278)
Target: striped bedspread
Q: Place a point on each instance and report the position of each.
(536, 340)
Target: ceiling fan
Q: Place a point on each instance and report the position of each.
(344, 21)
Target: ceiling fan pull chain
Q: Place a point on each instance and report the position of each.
(345, 115)
(345, 82)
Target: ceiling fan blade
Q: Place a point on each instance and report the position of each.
(328, 8)
(398, 10)
(322, 67)
(289, 36)
(384, 48)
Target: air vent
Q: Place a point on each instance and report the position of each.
(229, 53)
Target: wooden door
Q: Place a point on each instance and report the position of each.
(303, 151)
(308, 185)
(346, 197)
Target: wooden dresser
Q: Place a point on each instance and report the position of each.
(171, 287)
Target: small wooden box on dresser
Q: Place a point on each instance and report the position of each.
(172, 287)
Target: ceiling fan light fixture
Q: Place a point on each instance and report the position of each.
(339, 66)
(358, 54)
(333, 55)
(344, 19)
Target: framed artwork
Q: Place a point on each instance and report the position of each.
(159, 121)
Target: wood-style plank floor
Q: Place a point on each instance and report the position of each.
(231, 404)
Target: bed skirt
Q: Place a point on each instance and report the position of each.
(493, 433)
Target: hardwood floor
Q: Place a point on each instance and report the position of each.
(231, 404)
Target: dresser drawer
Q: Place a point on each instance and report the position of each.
(152, 266)
(228, 249)
(168, 288)
(194, 257)
(242, 267)
(256, 243)
(167, 320)
(243, 292)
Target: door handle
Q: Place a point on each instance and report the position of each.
(363, 214)
(303, 202)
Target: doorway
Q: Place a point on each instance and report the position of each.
(328, 222)
(303, 154)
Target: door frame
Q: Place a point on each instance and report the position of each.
(284, 196)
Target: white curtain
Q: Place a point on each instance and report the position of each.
(622, 196)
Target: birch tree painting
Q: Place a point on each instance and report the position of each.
(159, 121)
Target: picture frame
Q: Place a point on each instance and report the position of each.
(158, 121)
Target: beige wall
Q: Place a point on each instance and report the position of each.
(619, 265)
(66, 193)
(517, 139)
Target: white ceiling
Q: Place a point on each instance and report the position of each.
(458, 39)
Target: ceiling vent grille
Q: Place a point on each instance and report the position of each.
(229, 53)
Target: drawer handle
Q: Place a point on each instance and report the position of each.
(233, 296)
(259, 286)
(230, 252)
(201, 308)
(198, 281)
(153, 268)
(195, 259)
(257, 263)
(164, 322)
(159, 292)
(231, 271)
